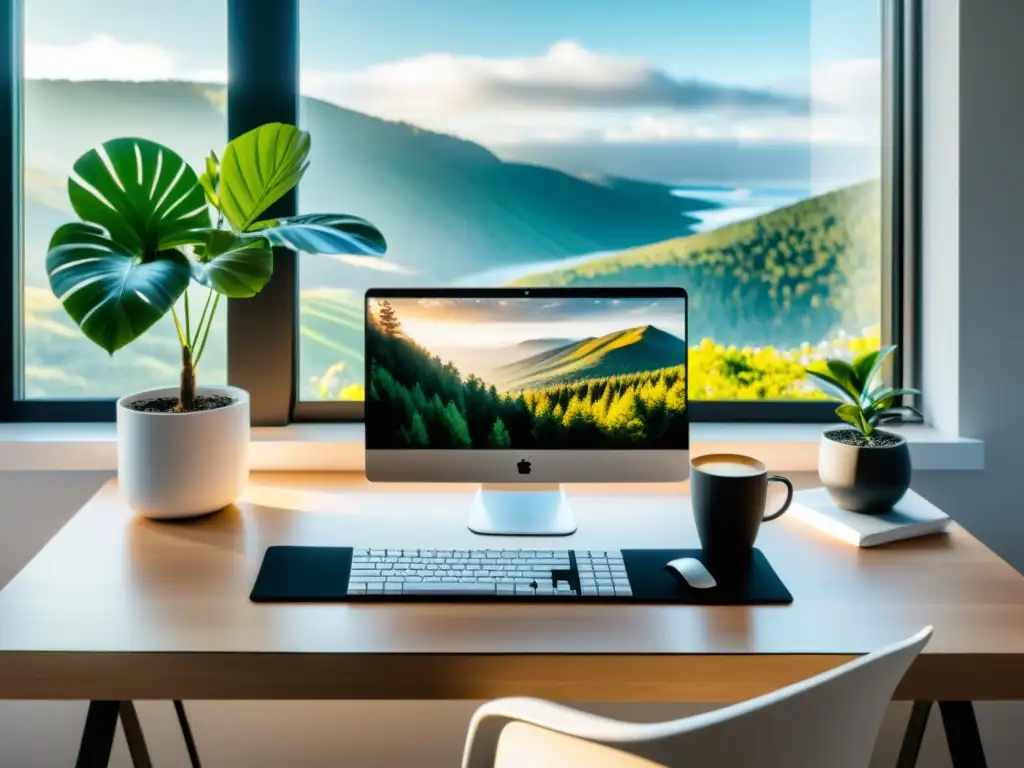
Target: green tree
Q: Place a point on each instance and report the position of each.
(416, 435)
(418, 398)
(499, 437)
(455, 426)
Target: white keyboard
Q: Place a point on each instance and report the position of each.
(512, 573)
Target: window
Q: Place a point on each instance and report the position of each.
(92, 72)
(750, 151)
(731, 147)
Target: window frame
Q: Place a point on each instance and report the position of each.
(263, 332)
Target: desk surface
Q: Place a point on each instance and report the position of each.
(118, 607)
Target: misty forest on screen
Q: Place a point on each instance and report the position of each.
(526, 373)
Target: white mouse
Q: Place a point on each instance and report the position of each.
(693, 572)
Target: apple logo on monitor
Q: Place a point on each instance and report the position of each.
(524, 466)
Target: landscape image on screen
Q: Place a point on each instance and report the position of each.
(526, 373)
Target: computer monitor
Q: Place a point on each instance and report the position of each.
(523, 389)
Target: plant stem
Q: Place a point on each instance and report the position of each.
(188, 320)
(206, 332)
(187, 390)
(177, 326)
(202, 317)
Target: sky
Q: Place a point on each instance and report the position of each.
(450, 323)
(505, 72)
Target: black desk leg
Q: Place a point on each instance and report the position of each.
(133, 735)
(962, 734)
(914, 734)
(186, 731)
(98, 735)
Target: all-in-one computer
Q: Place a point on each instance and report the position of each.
(523, 389)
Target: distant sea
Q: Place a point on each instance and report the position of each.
(733, 204)
(737, 203)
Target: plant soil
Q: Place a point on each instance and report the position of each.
(878, 438)
(170, 404)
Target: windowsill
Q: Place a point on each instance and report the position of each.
(338, 447)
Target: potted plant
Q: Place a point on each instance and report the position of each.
(149, 226)
(864, 469)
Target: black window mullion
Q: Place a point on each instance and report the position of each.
(263, 87)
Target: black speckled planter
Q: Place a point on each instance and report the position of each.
(864, 478)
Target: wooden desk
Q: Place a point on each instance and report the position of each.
(118, 608)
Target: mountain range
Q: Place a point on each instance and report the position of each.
(633, 350)
(448, 207)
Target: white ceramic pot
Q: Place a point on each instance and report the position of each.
(175, 465)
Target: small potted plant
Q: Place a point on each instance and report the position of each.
(149, 226)
(864, 469)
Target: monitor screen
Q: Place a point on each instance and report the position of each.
(515, 372)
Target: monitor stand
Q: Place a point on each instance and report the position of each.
(521, 510)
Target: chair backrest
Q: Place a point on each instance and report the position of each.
(829, 720)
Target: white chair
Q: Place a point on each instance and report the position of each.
(829, 721)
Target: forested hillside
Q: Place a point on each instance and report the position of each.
(794, 275)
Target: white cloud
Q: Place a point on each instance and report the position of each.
(568, 94)
(566, 77)
(103, 57)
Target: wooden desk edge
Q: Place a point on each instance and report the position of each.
(561, 677)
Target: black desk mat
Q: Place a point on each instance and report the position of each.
(320, 574)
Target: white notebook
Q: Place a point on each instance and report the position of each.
(913, 516)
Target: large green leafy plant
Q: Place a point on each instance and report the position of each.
(150, 226)
(866, 403)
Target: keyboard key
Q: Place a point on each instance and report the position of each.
(525, 589)
(623, 592)
(372, 579)
(375, 589)
(357, 552)
(378, 552)
(393, 586)
(441, 588)
(356, 588)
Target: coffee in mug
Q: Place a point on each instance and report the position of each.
(728, 493)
